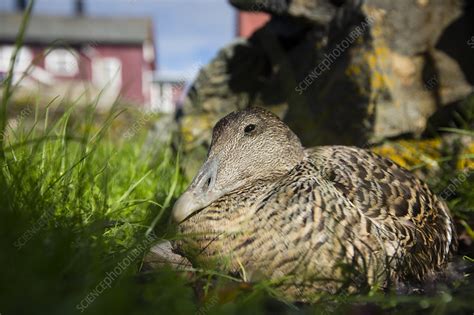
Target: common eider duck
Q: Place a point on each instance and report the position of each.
(311, 220)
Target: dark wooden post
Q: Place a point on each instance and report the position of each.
(21, 5)
(79, 7)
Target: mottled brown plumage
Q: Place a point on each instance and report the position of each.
(316, 220)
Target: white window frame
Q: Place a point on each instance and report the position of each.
(63, 62)
(147, 80)
(23, 59)
(162, 97)
(107, 73)
(148, 51)
(167, 97)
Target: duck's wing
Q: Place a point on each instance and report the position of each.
(392, 199)
(308, 228)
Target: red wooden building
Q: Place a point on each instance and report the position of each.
(115, 56)
(249, 22)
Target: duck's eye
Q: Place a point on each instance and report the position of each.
(249, 128)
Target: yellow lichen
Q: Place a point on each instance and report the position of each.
(427, 153)
(193, 127)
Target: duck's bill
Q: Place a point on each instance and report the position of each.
(201, 193)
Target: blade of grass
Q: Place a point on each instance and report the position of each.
(459, 131)
(174, 184)
(7, 85)
(129, 191)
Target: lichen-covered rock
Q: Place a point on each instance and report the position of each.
(339, 72)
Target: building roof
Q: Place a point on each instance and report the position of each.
(77, 29)
(170, 77)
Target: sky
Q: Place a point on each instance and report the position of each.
(188, 33)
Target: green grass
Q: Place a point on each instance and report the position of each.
(78, 200)
(73, 205)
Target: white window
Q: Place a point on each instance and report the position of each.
(23, 59)
(5, 56)
(148, 52)
(147, 79)
(62, 62)
(162, 97)
(107, 72)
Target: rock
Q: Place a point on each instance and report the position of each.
(339, 72)
(161, 255)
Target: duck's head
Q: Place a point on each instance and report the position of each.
(248, 145)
